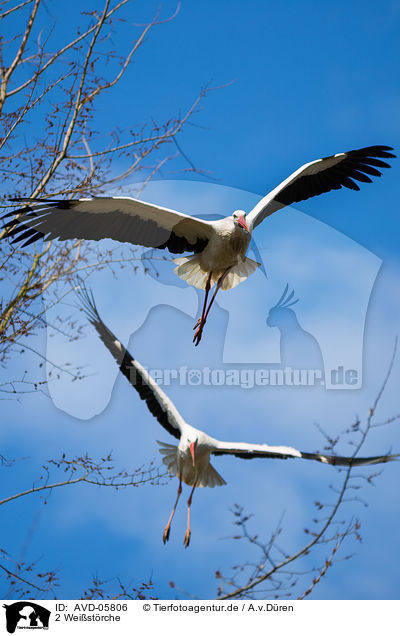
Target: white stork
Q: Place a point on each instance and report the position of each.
(219, 246)
(190, 460)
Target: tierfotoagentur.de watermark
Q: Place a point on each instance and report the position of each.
(248, 378)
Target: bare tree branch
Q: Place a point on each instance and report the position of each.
(260, 572)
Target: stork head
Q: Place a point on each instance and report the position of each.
(192, 448)
(239, 219)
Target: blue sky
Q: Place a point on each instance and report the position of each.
(311, 79)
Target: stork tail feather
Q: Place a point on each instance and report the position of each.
(209, 478)
(189, 269)
(239, 272)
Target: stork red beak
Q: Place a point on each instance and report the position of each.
(242, 223)
(192, 446)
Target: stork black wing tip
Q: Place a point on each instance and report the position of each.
(53, 203)
(381, 151)
(87, 301)
(386, 147)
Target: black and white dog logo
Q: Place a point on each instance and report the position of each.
(26, 615)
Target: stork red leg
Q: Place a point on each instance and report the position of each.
(168, 526)
(188, 532)
(199, 332)
(207, 288)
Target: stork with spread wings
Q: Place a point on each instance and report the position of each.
(219, 247)
(190, 459)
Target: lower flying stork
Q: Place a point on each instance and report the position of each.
(219, 246)
(190, 460)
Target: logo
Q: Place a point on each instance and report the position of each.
(26, 615)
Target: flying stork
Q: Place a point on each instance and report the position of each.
(190, 460)
(219, 246)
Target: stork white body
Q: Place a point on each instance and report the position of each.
(219, 246)
(190, 459)
(179, 461)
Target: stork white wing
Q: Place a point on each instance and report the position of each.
(157, 401)
(323, 175)
(123, 219)
(253, 451)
